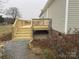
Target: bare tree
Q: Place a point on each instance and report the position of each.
(2, 4)
(13, 12)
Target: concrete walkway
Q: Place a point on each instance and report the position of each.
(19, 50)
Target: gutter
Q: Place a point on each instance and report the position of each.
(48, 4)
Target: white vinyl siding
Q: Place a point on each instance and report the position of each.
(64, 14)
(57, 12)
(73, 14)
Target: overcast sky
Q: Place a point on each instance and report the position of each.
(28, 8)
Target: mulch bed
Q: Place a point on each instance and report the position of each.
(58, 40)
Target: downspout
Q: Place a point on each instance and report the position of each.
(66, 16)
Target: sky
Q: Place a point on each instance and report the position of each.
(28, 8)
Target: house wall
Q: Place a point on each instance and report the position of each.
(73, 15)
(57, 12)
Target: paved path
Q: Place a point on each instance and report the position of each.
(18, 50)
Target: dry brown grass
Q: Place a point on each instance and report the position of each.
(5, 31)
